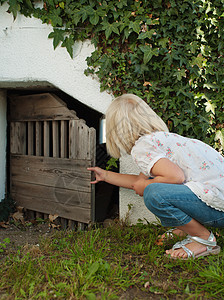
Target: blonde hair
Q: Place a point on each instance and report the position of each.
(127, 119)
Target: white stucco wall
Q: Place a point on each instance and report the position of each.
(138, 209)
(3, 124)
(27, 59)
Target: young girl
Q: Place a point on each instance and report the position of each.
(181, 179)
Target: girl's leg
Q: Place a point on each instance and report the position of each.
(177, 206)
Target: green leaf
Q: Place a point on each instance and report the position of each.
(135, 26)
(220, 136)
(148, 53)
(55, 18)
(14, 7)
(209, 106)
(163, 42)
(200, 61)
(180, 73)
(147, 50)
(86, 11)
(112, 162)
(62, 5)
(29, 4)
(69, 43)
(76, 16)
(121, 3)
(94, 19)
(58, 36)
(109, 28)
(146, 35)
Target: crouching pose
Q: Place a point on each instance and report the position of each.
(181, 179)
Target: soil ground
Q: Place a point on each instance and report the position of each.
(21, 236)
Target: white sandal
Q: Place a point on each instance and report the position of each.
(211, 246)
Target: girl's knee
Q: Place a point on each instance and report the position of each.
(151, 196)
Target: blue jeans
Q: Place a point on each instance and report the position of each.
(176, 205)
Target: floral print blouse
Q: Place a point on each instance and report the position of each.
(202, 165)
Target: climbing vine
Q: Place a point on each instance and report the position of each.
(169, 52)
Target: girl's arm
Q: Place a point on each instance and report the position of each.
(164, 171)
(122, 180)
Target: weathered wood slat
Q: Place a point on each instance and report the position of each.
(39, 215)
(82, 144)
(51, 172)
(56, 141)
(30, 138)
(53, 194)
(46, 139)
(64, 223)
(92, 146)
(79, 214)
(73, 139)
(39, 107)
(92, 157)
(18, 137)
(39, 139)
(64, 140)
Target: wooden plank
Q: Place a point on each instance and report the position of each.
(65, 211)
(39, 139)
(55, 135)
(71, 224)
(39, 215)
(46, 140)
(83, 141)
(92, 157)
(92, 146)
(30, 140)
(30, 214)
(18, 137)
(64, 139)
(39, 107)
(55, 195)
(73, 139)
(79, 134)
(52, 172)
(64, 223)
(81, 226)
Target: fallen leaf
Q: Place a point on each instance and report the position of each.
(18, 216)
(54, 226)
(52, 218)
(20, 208)
(147, 83)
(3, 225)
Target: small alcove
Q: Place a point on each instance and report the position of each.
(52, 139)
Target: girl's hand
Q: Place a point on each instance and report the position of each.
(140, 185)
(100, 174)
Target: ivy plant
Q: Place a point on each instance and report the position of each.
(169, 52)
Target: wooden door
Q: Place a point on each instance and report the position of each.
(50, 150)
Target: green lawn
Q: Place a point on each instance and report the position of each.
(118, 262)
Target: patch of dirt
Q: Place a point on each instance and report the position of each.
(136, 294)
(20, 236)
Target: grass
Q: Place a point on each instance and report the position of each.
(109, 263)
